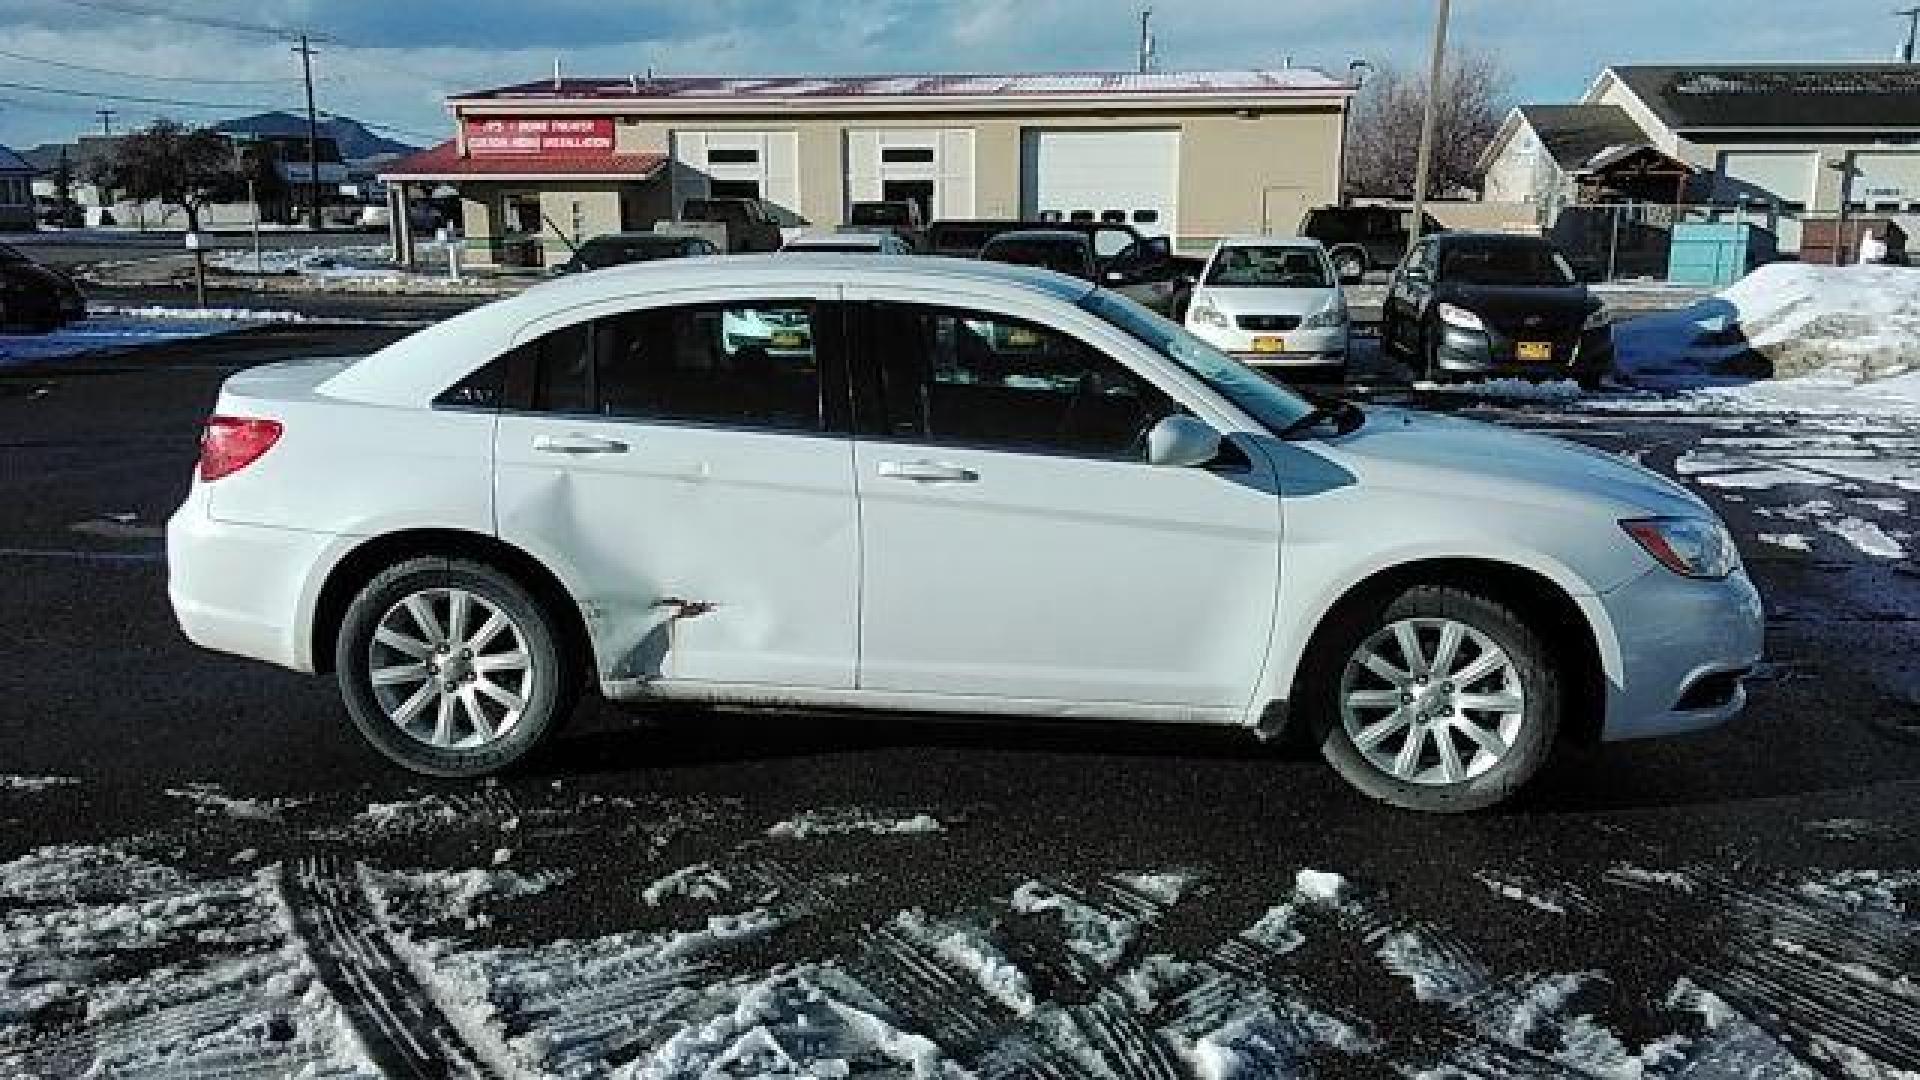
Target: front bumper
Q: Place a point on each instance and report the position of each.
(1301, 348)
(1493, 352)
(1683, 644)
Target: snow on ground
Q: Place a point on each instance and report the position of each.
(123, 331)
(366, 261)
(35, 783)
(846, 821)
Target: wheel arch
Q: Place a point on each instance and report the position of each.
(1554, 612)
(361, 564)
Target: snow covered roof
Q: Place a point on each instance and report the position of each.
(1286, 82)
(1807, 96)
(1575, 134)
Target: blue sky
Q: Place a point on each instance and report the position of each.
(392, 61)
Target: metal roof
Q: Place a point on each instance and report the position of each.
(443, 162)
(1280, 82)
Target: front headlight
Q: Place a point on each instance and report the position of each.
(1460, 317)
(1690, 547)
(1327, 318)
(1598, 318)
(1205, 312)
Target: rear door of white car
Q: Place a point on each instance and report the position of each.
(1016, 544)
(690, 467)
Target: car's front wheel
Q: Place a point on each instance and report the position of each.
(452, 668)
(1441, 699)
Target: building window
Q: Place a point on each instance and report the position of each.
(1145, 217)
(733, 189)
(732, 156)
(907, 155)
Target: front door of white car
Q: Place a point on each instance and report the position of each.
(686, 469)
(1016, 544)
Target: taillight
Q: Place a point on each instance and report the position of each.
(231, 443)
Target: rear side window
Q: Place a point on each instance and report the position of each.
(563, 370)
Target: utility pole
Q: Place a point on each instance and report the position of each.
(1146, 41)
(106, 121)
(1912, 15)
(313, 138)
(1425, 160)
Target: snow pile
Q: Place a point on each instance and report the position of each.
(199, 314)
(339, 262)
(35, 783)
(209, 799)
(848, 821)
(697, 882)
(451, 896)
(1864, 320)
(1509, 389)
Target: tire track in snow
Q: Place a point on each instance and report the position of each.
(403, 1031)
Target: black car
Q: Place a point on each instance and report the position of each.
(1495, 304)
(1362, 238)
(1063, 252)
(36, 296)
(618, 249)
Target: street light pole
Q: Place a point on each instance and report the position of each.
(1912, 15)
(1425, 160)
(313, 137)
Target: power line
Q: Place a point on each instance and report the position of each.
(151, 78)
(121, 7)
(135, 98)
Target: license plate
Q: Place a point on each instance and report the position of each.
(789, 339)
(1536, 350)
(1269, 344)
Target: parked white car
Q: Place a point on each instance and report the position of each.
(849, 243)
(1272, 301)
(1019, 495)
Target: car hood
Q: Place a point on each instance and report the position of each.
(1504, 304)
(1484, 462)
(1243, 301)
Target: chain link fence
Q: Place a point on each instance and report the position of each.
(1632, 241)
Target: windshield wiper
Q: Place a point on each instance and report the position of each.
(1344, 415)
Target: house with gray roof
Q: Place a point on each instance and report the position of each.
(16, 191)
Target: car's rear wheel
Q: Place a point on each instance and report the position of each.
(452, 668)
(1440, 699)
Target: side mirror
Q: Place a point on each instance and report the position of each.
(1181, 442)
(1117, 277)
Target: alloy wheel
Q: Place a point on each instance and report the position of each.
(1432, 701)
(450, 669)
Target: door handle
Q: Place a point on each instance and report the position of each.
(577, 444)
(927, 472)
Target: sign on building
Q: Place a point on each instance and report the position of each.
(544, 137)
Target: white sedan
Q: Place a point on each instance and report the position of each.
(1018, 494)
(1272, 301)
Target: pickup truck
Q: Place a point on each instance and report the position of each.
(900, 217)
(730, 225)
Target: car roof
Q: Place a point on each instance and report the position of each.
(416, 368)
(839, 239)
(1487, 237)
(630, 237)
(1269, 240)
(1030, 236)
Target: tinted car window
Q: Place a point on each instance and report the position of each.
(951, 376)
(1513, 262)
(1268, 268)
(563, 370)
(1326, 226)
(1066, 253)
(750, 365)
(603, 252)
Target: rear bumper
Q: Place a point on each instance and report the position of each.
(243, 589)
(1683, 643)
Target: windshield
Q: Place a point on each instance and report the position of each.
(1505, 263)
(1268, 268)
(1066, 255)
(1273, 405)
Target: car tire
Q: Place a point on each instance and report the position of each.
(1355, 708)
(1429, 355)
(449, 711)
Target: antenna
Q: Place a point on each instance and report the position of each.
(1146, 41)
(556, 73)
(1912, 15)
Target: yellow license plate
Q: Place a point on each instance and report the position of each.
(1269, 344)
(1020, 337)
(789, 339)
(1536, 350)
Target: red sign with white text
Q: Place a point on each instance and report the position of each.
(588, 137)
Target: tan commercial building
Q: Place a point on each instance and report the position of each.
(1192, 155)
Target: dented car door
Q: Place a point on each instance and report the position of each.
(690, 468)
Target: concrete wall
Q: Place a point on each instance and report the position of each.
(573, 216)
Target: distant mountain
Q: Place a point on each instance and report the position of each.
(356, 142)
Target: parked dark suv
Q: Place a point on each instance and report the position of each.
(1362, 238)
(1495, 303)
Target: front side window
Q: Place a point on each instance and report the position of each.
(995, 382)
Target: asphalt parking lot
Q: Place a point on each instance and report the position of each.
(203, 870)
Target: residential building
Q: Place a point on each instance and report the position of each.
(1776, 143)
(1195, 156)
(16, 192)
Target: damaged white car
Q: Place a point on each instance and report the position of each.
(945, 486)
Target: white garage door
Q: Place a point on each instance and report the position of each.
(738, 164)
(1131, 175)
(1886, 183)
(1779, 186)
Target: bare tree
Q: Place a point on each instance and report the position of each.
(176, 166)
(1383, 142)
